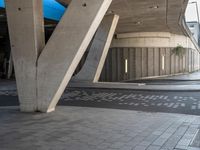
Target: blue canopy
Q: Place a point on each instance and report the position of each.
(52, 9)
(2, 5)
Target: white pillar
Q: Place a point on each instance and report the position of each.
(65, 49)
(98, 51)
(26, 30)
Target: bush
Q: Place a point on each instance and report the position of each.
(179, 51)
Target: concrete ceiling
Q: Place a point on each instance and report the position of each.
(147, 15)
(64, 2)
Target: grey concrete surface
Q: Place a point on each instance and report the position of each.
(181, 82)
(26, 30)
(77, 128)
(136, 86)
(148, 16)
(65, 49)
(176, 86)
(179, 79)
(187, 76)
(98, 50)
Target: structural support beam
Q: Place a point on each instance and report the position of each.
(65, 49)
(26, 30)
(43, 72)
(98, 51)
(64, 2)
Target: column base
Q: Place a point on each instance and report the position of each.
(29, 108)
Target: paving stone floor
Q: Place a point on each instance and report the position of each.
(81, 128)
(84, 128)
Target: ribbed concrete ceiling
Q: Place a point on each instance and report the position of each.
(147, 15)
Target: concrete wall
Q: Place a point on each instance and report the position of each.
(147, 62)
(148, 54)
(152, 39)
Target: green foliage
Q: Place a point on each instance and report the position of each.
(179, 51)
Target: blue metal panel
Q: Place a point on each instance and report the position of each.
(2, 5)
(52, 9)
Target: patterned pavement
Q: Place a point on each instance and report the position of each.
(171, 102)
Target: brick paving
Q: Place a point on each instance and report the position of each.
(81, 128)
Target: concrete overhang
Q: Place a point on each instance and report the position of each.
(147, 15)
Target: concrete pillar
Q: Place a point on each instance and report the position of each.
(114, 64)
(26, 30)
(144, 62)
(150, 61)
(156, 62)
(132, 63)
(98, 51)
(138, 54)
(119, 64)
(168, 61)
(172, 62)
(65, 49)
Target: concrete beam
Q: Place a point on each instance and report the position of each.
(26, 30)
(65, 49)
(64, 2)
(98, 51)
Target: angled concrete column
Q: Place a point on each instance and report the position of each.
(25, 21)
(98, 51)
(65, 49)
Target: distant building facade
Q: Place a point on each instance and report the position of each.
(194, 28)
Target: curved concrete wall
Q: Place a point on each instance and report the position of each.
(147, 62)
(152, 39)
(148, 54)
